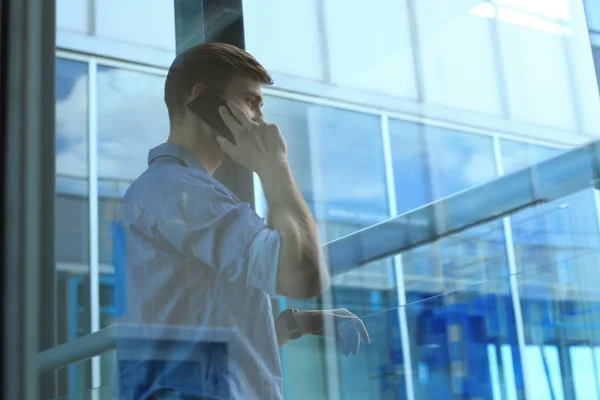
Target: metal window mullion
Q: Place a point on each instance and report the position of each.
(327, 299)
(324, 42)
(502, 82)
(512, 268)
(596, 195)
(416, 50)
(397, 260)
(91, 17)
(93, 212)
(573, 82)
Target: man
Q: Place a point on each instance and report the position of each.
(197, 257)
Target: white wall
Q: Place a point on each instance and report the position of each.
(144, 22)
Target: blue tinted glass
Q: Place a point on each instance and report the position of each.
(350, 157)
(132, 119)
(69, 74)
(458, 288)
(556, 255)
(469, 329)
(592, 12)
(516, 156)
(71, 119)
(596, 55)
(72, 213)
(411, 174)
(459, 160)
(72, 205)
(337, 159)
(292, 119)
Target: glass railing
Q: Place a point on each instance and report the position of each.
(494, 296)
(100, 393)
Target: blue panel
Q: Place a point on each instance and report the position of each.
(119, 262)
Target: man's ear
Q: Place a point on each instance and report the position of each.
(197, 90)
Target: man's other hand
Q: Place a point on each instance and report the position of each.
(347, 327)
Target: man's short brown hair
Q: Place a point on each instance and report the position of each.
(213, 64)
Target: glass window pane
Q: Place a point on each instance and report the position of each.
(72, 228)
(291, 118)
(337, 157)
(451, 38)
(556, 251)
(71, 118)
(291, 25)
(596, 55)
(459, 160)
(450, 334)
(378, 61)
(460, 313)
(411, 169)
(349, 156)
(362, 375)
(592, 12)
(516, 155)
(132, 119)
(537, 70)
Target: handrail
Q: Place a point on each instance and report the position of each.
(80, 349)
(105, 340)
(568, 173)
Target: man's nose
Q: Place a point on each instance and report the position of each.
(259, 118)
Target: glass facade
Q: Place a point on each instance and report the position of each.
(438, 97)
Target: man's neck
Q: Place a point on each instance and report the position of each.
(201, 147)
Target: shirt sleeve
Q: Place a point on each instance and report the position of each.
(201, 220)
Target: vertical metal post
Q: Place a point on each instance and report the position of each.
(94, 273)
(398, 268)
(327, 299)
(198, 21)
(28, 63)
(514, 286)
(411, 7)
(502, 79)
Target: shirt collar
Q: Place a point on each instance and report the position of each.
(173, 150)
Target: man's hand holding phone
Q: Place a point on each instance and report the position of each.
(259, 147)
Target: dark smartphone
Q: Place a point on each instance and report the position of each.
(206, 107)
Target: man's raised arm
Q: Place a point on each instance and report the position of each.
(302, 272)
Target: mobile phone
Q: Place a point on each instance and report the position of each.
(206, 107)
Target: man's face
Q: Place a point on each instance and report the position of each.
(247, 94)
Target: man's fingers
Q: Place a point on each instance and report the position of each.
(230, 121)
(227, 147)
(240, 115)
(352, 340)
(357, 323)
(362, 329)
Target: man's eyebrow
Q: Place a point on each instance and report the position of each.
(257, 96)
